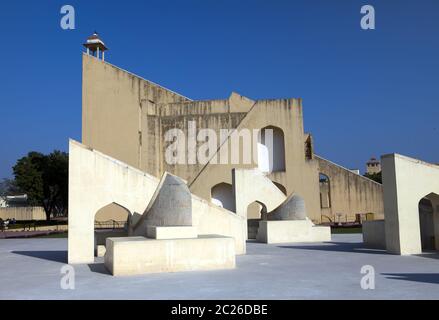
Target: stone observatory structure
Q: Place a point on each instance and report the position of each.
(411, 204)
(169, 229)
(289, 223)
(183, 178)
(136, 121)
(171, 205)
(285, 218)
(292, 209)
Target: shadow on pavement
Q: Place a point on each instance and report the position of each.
(432, 278)
(57, 256)
(338, 247)
(429, 255)
(99, 268)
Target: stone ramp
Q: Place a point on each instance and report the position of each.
(171, 205)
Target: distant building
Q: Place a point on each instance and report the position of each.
(13, 201)
(17, 207)
(373, 166)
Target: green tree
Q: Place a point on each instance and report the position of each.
(44, 178)
(377, 177)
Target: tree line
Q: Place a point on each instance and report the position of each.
(44, 178)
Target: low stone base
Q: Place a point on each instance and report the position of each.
(100, 238)
(140, 255)
(289, 231)
(155, 232)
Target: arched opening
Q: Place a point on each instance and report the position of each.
(114, 213)
(110, 221)
(280, 187)
(256, 211)
(271, 150)
(222, 196)
(325, 191)
(429, 222)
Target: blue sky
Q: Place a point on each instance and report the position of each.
(364, 92)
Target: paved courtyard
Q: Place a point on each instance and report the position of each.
(30, 269)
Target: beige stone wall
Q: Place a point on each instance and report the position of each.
(113, 102)
(350, 193)
(213, 114)
(127, 117)
(406, 181)
(23, 213)
(299, 175)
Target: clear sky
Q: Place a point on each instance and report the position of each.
(365, 93)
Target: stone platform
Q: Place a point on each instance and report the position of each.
(140, 255)
(292, 231)
(330, 270)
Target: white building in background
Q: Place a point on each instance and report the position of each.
(3, 203)
(13, 201)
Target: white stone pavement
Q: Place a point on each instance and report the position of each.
(30, 269)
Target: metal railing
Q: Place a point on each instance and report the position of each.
(110, 224)
(341, 219)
